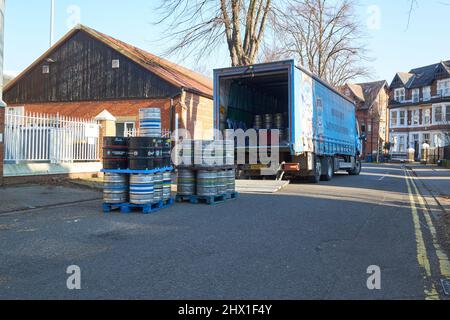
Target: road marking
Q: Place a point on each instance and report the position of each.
(430, 290)
(444, 263)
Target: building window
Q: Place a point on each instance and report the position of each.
(426, 117)
(116, 64)
(447, 113)
(438, 114)
(416, 95)
(426, 93)
(401, 144)
(399, 94)
(129, 129)
(394, 118)
(426, 138)
(443, 87)
(402, 118)
(369, 128)
(415, 117)
(45, 69)
(363, 128)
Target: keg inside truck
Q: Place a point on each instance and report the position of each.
(261, 102)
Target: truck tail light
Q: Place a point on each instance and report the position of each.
(291, 167)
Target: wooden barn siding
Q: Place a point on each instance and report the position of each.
(82, 71)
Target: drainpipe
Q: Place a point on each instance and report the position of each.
(2, 104)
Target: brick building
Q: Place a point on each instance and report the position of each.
(420, 108)
(87, 72)
(371, 100)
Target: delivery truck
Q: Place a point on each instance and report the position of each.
(319, 133)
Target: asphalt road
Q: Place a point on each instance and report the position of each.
(306, 242)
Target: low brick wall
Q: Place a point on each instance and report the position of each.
(48, 179)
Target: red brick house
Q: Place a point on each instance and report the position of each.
(371, 100)
(419, 108)
(87, 72)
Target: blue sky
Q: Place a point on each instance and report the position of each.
(393, 45)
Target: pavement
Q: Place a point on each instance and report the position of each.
(436, 180)
(305, 242)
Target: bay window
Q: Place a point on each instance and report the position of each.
(426, 117)
(438, 114)
(402, 118)
(415, 117)
(394, 118)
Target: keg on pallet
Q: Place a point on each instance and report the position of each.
(158, 179)
(167, 185)
(150, 122)
(221, 183)
(142, 153)
(141, 189)
(228, 152)
(208, 153)
(230, 179)
(115, 188)
(206, 183)
(258, 123)
(166, 152)
(268, 121)
(115, 153)
(158, 156)
(186, 182)
(185, 153)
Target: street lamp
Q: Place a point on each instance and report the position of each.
(52, 22)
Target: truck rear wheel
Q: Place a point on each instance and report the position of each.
(317, 173)
(357, 170)
(328, 168)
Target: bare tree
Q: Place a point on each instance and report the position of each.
(200, 26)
(324, 36)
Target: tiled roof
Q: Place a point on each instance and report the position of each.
(357, 91)
(171, 72)
(367, 92)
(371, 91)
(423, 76)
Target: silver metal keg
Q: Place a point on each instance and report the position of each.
(206, 183)
(141, 189)
(158, 179)
(221, 183)
(186, 182)
(167, 185)
(150, 122)
(115, 188)
(230, 179)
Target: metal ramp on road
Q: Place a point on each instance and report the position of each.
(260, 186)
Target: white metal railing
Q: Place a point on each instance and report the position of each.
(165, 133)
(35, 137)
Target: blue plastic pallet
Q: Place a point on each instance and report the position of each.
(126, 208)
(210, 200)
(128, 171)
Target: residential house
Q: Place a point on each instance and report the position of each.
(420, 108)
(371, 100)
(88, 72)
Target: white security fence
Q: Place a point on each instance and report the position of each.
(33, 137)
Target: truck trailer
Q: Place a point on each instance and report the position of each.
(321, 134)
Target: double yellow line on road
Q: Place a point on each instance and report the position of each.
(422, 255)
